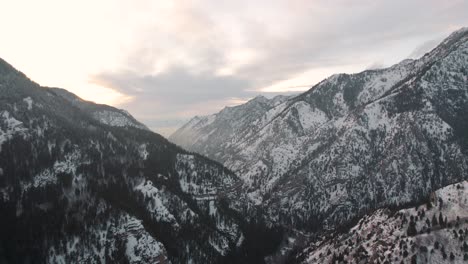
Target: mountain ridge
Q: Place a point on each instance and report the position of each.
(354, 142)
(76, 186)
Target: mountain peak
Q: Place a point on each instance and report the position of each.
(351, 132)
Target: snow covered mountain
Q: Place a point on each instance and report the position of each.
(86, 183)
(433, 232)
(349, 145)
(230, 124)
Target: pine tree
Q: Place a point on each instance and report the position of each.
(434, 220)
(452, 256)
(441, 220)
(411, 231)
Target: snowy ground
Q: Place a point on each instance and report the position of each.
(388, 236)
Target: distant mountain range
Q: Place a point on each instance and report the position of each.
(353, 170)
(351, 144)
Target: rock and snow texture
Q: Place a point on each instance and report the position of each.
(9, 127)
(29, 102)
(67, 165)
(122, 233)
(349, 144)
(225, 127)
(434, 232)
(117, 119)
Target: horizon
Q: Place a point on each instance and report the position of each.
(140, 55)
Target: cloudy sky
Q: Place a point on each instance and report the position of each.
(166, 61)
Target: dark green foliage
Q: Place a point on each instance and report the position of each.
(411, 231)
(353, 86)
(423, 249)
(434, 220)
(441, 220)
(452, 256)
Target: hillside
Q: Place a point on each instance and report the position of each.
(86, 183)
(433, 232)
(352, 143)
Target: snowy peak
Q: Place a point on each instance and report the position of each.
(353, 142)
(229, 122)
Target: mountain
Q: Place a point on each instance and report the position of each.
(349, 145)
(87, 183)
(230, 124)
(301, 177)
(433, 232)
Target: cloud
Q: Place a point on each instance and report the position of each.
(425, 47)
(196, 57)
(376, 65)
(166, 100)
(175, 86)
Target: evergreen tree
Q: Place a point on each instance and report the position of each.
(411, 231)
(441, 220)
(434, 221)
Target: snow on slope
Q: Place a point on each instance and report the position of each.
(156, 203)
(114, 118)
(405, 235)
(351, 143)
(9, 127)
(121, 233)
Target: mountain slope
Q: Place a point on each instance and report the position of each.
(434, 232)
(229, 124)
(354, 143)
(78, 188)
(103, 113)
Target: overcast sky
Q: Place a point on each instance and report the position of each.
(166, 61)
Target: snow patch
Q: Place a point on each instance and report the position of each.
(116, 119)
(9, 127)
(29, 102)
(156, 204)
